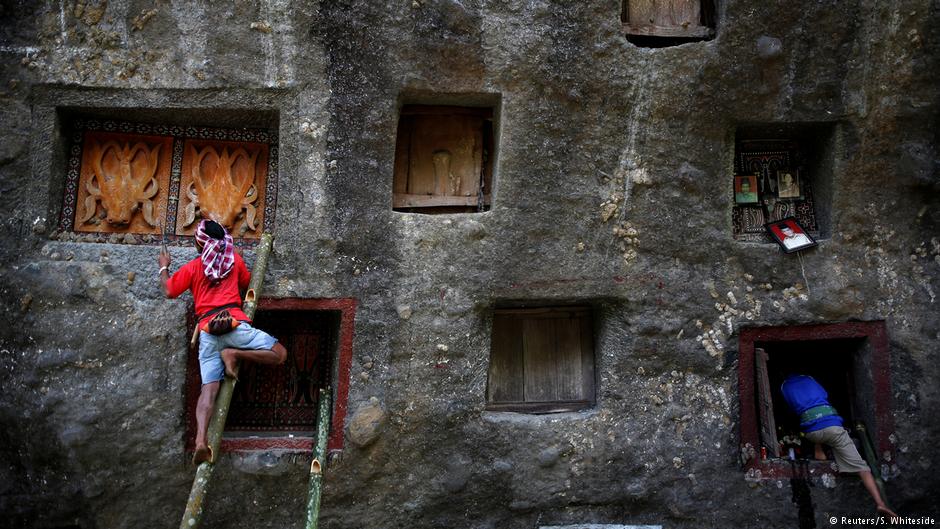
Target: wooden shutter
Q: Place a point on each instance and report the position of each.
(765, 407)
(552, 351)
(542, 360)
(665, 18)
(506, 367)
(439, 156)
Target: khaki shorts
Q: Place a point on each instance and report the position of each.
(842, 447)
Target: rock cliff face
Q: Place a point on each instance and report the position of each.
(613, 190)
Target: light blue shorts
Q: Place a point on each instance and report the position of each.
(211, 368)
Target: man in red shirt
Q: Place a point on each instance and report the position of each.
(215, 278)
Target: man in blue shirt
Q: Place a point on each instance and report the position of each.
(821, 424)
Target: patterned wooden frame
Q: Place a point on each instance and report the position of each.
(764, 158)
(179, 135)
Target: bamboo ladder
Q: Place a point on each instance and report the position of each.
(192, 516)
(868, 449)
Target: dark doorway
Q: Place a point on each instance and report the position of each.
(284, 398)
(850, 360)
(832, 363)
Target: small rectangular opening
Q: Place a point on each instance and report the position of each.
(444, 159)
(541, 360)
(275, 407)
(783, 170)
(850, 360)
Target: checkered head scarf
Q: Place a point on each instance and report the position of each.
(218, 255)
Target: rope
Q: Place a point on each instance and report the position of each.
(799, 256)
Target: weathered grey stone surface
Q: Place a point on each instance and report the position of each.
(92, 365)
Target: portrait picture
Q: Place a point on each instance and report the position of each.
(788, 184)
(790, 235)
(745, 189)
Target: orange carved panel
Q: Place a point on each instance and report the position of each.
(123, 183)
(223, 181)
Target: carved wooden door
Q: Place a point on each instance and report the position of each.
(765, 407)
(284, 397)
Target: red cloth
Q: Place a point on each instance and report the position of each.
(206, 295)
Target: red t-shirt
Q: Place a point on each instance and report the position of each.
(206, 295)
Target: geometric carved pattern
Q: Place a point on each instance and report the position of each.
(285, 397)
(125, 180)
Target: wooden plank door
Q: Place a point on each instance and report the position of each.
(765, 407)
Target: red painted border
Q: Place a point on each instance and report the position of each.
(877, 336)
(347, 309)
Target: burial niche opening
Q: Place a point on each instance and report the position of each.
(276, 401)
(780, 171)
(836, 364)
(663, 23)
(850, 360)
(284, 398)
(142, 183)
(541, 360)
(443, 159)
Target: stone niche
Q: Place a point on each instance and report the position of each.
(275, 407)
(443, 159)
(783, 170)
(661, 23)
(541, 360)
(136, 182)
(851, 360)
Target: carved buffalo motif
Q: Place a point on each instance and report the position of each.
(223, 187)
(124, 181)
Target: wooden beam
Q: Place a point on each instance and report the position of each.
(540, 407)
(697, 32)
(437, 110)
(425, 201)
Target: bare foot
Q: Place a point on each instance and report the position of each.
(883, 509)
(231, 363)
(203, 453)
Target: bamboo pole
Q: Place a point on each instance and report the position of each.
(192, 516)
(319, 460)
(868, 447)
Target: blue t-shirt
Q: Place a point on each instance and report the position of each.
(802, 393)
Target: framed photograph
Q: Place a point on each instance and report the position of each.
(745, 189)
(790, 235)
(788, 184)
